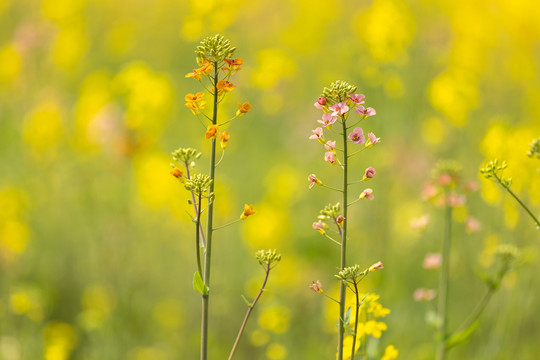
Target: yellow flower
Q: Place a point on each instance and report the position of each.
(248, 210)
(233, 64)
(224, 137)
(194, 98)
(196, 74)
(243, 108)
(390, 353)
(224, 85)
(212, 131)
(206, 67)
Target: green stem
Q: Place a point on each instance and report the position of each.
(519, 201)
(195, 207)
(228, 224)
(443, 283)
(209, 224)
(197, 237)
(475, 314)
(331, 188)
(355, 319)
(249, 310)
(343, 262)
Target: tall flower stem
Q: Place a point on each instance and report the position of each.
(443, 284)
(199, 227)
(343, 263)
(197, 236)
(248, 313)
(209, 224)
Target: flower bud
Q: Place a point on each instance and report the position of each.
(321, 100)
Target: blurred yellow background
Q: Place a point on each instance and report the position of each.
(96, 250)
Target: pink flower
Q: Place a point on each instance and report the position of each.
(369, 173)
(372, 140)
(432, 261)
(455, 200)
(445, 179)
(365, 112)
(357, 136)
(330, 145)
(313, 179)
(329, 156)
(376, 266)
(429, 191)
(327, 119)
(321, 100)
(424, 294)
(358, 99)
(420, 223)
(317, 134)
(319, 227)
(367, 194)
(471, 186)
(339, 108)
(318, 106)
(316, 286)
(472, 225)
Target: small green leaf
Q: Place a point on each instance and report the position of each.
(347, 319)
(246, 300)
(462, 336)
(198, 284)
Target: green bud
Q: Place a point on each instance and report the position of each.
(267, 258)
(330, 212)
(183, 155)
(351, 273)
(216, 48)
(198, 183)
(535, 149)
(338, 92)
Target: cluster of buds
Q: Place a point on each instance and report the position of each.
(495, 170)
(354, 274)
(198, 183)
(215, 48)
(268, 258)
(186, 156)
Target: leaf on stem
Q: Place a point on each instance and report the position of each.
(198, 284)
(462, 336)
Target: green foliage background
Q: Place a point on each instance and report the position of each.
(96, 251)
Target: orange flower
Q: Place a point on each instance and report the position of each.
(212, 131)
(194, 98)
(248, 210)
(224, 137)
(206, 67)
(224, 85)
(177, 173)
(243, 108)
(233, 64)
(196, 74)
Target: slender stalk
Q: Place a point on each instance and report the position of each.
(443, 284)
(343, 262)
(209, 224)
(537, 221)
(197, 237)
(228, 224)
(475, 314)
(196, 209)
(355, 319)
(249, 310)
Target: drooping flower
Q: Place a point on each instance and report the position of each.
(211, 131)
(313, 180)
(321, 100)
(424, 294)
(243, 108)
(357, 136)
(319, 227)
(331, 146)
(205, 69)
(317, 135)
(248, 210)
(316, 286)
(378, 265)
(372, 140)
(329, 156)
(369, 173)
(367, 194)
(327, 120)
(225, 86)
(233, 65)
(224, 139)
(432, 261)
(339, 220)
(455, 200)
(365, 112)
(318, 106)
(358, 99)
(339, 108)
